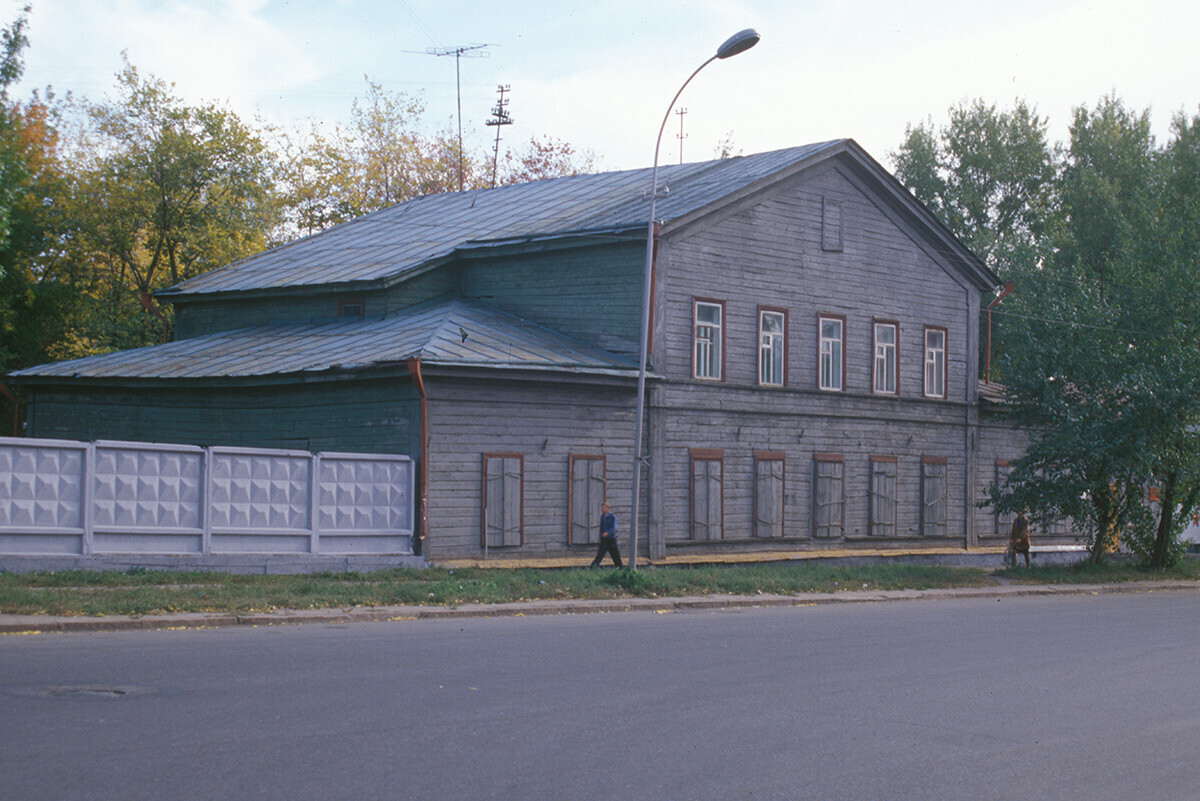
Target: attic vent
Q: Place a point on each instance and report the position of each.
(831, 224)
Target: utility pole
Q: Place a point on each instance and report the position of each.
(470, 51)
(681, 135)
(500, 117)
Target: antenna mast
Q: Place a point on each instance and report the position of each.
(470, 51)
(500, 117)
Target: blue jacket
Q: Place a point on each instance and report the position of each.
(608, 525)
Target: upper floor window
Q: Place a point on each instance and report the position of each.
(935, 362)
(772, 347)
(886, 373)
(832, 355)
(351, 309)
(708, 348)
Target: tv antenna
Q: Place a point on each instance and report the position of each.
(469, 51)
(500, 116)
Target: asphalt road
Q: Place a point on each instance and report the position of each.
(1083, 697)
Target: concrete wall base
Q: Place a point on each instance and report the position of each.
(248, 563)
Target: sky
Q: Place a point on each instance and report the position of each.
(600, 75)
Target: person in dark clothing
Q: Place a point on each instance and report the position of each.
(1018, 541)
(608, 537)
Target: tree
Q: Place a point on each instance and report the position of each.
(384, 157)
(163, 192)
(544, 157)
(988, 175)
(1105, 370)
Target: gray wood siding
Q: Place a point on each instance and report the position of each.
(592, 294)
(357, 416)
(769, 253)
(544, 422)
(739, 427)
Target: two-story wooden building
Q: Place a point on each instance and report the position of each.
(814, 361)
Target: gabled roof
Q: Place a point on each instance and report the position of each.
(389, 243)
(455, 332)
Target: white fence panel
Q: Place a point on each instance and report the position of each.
(59, 497)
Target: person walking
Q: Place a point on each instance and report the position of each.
(1018, 541)
(608, 537)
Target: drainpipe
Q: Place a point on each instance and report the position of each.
(1004, 293)
(414, 372)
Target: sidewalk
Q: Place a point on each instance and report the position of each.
(39, 624)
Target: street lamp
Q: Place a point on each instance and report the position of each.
(740, 42)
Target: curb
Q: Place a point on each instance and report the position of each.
(42, 624)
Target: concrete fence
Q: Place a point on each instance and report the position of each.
(65, 498)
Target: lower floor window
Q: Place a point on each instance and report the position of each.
(768, 494)
(933, 497)
(883, 496)
(1004, 520)
(829, 498)
(503, 499)
(586, 494)
(708, 494)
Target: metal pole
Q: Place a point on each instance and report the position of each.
(647, 280)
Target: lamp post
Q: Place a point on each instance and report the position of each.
(738, 43)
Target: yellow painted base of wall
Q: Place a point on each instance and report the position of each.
(719, 559)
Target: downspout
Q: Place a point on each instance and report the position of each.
(1004, 293)
(414, 372)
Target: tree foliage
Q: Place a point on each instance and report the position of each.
(988, 175)
(1099, 348)
(164, 191)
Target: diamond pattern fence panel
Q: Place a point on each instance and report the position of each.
(61, 497)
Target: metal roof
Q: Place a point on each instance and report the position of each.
(392, 241)
(454, 332)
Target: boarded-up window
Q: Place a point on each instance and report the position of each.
(768, 493)
(1004, 520)
(829, 499)
(831, 224)
(933, 497)
(503, 499)
(708, 494)
(586, 494)
(883, 496)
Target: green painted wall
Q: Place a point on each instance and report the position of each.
(591, 293)
(199, 317)
(367, 416)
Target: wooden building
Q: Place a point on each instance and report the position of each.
(814, 362)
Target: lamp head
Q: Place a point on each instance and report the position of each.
(740, 42)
